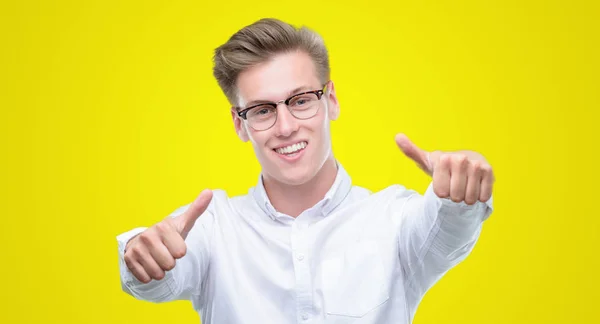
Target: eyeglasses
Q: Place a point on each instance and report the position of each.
(263, 116)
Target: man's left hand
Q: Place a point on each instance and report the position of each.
(461, 176)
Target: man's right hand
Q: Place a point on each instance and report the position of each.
(152, 252)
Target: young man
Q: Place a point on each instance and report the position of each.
(305, 245)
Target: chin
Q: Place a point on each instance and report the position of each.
(294, 177)
(294, 180)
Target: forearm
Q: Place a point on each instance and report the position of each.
(437, 234)
(457, 227)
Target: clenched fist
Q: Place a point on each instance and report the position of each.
(461, 176)
(152, 252)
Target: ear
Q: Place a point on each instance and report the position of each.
(333, 104)
(238, 124)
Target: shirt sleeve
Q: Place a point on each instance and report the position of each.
(435, 235)
(186, 277)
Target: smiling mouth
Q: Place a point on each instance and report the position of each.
(291, 149)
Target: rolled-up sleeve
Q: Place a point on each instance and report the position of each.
(435, 235)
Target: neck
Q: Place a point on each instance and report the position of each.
(294, 199)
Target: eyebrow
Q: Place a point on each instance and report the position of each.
(289, 94)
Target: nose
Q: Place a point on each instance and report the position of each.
(286, 123)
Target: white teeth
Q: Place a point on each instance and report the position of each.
(291, 148)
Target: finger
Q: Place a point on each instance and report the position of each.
(441, 177)
(162, 256)
(458, 177)
(152, 248)
(473, 183)
(139, 254)
(174, 243)
(487, 182)
(138, 271)
(414, 153)
(186, 221)
(150, 266)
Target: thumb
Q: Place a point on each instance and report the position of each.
(416, 154)
(186, 221)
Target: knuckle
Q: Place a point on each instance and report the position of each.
(139, 275)
(179, 252)
(485, 197)
(486, 168)
(158, 274)
(440, 192)
(445, 159)
(169, 222)
(145, 237)
(163, 226)
(470, 200)
(128, 261)
(169, 265)
(477, 166)
(456, 199)
(457, 195)
(460, 159)
(148, 240)
(135, 252)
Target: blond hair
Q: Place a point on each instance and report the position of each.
(260, 42)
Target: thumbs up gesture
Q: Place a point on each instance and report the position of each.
(461, 176)
(151, 253)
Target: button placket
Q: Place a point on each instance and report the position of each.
(304, 302)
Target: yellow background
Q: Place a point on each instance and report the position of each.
(111, 119)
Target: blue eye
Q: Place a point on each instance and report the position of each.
(263, 111)
(304, 100)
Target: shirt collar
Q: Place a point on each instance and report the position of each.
(334, 196)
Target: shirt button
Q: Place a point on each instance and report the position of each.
(305, 316)
(300, 258)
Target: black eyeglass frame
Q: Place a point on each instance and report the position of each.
(242, 113)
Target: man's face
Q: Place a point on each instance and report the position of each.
(278, 79)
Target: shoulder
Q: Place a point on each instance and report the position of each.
(224, 203)
(220, 200)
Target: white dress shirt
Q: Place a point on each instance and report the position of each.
(355, 257)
